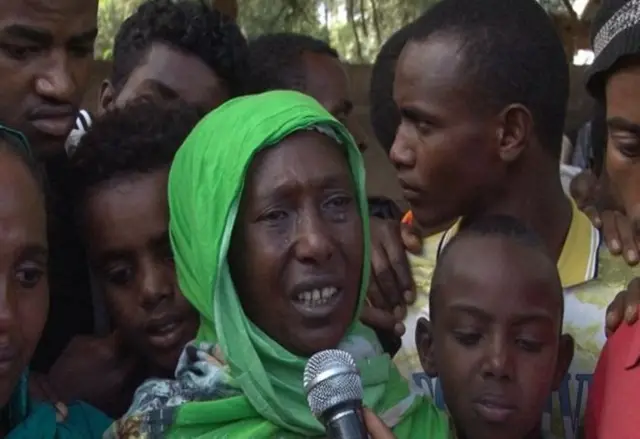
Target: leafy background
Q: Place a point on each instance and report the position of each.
(356, 28)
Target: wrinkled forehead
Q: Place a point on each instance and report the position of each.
(59, 17)
(623, 92)
(314, 158)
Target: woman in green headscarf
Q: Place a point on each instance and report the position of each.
(268, 224)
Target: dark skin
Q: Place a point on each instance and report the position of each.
(167, 73)
(326, 80)
(299, 232)
(375, 427)
(623, 171)
(623, 145)
(161, 75)
(46, 54)
(495, 341)
(24, 290)
(126, 225)
(472, 151)
(392, 286)
(595, 197)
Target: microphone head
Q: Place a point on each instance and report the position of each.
(331, 378)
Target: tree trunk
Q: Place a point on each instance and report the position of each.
(354, 27)
(376, 21)
(363, 21)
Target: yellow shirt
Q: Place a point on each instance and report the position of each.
(591, 278)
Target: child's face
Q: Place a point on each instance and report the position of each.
(128, 242)
(495, 337)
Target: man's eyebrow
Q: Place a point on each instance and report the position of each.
(34, 34)
(44, 37)
(85, 37)
(623, 124)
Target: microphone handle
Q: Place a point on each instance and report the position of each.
(345, 421)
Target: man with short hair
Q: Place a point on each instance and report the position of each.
(482, 88)
(46, 55)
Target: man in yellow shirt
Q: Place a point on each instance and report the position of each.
(482, 89)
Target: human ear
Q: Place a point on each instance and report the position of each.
(106, 98)
(514, 133)
(424, 343)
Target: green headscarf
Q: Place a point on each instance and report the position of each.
(262, 395)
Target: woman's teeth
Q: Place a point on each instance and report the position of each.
(318, 296)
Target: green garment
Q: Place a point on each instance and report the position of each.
(82, 422)
(27, 420)
(258, 391)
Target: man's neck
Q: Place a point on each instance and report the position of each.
(535, 196)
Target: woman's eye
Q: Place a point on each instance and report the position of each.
(628, 149)
(274, 215)
(340, 201)
(29, 277)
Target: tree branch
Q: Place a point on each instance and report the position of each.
(363, 21)
(354, 28)
(376, 21)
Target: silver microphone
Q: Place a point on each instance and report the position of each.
(334, 393)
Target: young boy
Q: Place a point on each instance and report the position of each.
(482, 88)
(495, 337)
(120, 172)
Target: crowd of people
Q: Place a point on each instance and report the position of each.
(205, 230)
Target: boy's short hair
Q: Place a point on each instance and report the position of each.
(191, 26)
(139, 138)
(504, 226)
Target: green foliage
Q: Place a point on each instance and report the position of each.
(356, 28)
(257, 17)
(111, 14)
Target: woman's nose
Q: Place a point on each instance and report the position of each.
(7, 308)
(313, 243)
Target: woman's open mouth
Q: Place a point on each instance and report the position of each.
(318, 302)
